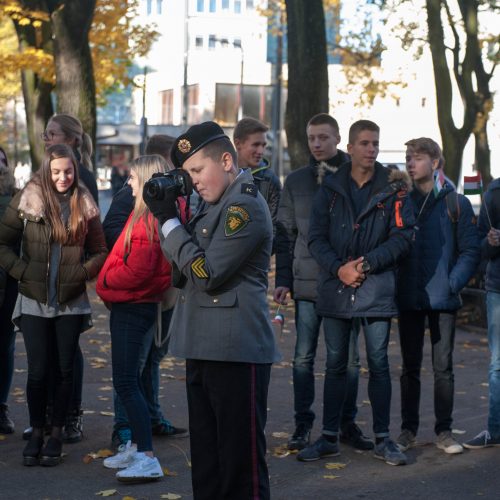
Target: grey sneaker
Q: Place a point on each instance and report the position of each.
(319, 449)
(389, 453)
(447, 443)
(482, 440)
(406, 440)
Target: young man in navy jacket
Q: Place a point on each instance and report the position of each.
(360, 228)
(443, 258)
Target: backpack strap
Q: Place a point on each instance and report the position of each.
(453, 208)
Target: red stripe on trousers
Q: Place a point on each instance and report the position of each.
(253, 431)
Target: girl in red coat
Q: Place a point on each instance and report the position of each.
(132, 282)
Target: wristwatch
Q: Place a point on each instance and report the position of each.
(365, 266)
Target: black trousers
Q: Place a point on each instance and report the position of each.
(227, 414)
(50, 341)
(411, 335)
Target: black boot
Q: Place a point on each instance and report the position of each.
(6, 424)
(31, 451)
(73, 428)
(51, 452)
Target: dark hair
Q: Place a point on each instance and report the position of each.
(160, 144)
(52, 207)
(7, 180)
(215, 149)
(248, 126)
(324, 119)
(427, 146)
(359, 126)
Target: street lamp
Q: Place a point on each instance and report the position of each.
(140, 82)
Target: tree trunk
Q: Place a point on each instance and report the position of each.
(482, 155)
(307, 73)
(75, 88)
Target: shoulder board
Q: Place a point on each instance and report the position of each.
(250, 189)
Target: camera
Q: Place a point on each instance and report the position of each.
(176, 182)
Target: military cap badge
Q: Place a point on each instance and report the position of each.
(184, 146)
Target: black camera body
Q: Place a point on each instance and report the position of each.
(176, 182)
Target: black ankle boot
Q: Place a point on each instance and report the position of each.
(73, 427)
(6, 424)
(51, 452)
(31, 451)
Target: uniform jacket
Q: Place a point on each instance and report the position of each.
(295, 267)
(492, 203)
(222, 312)
(24, 221)
(382, 234)
(140, 275)
(443, 258)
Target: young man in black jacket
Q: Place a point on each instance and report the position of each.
(360, 227)
(297, 274)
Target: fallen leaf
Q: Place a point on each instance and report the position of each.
(334, 465)
(106, 388)
(283, 435)
(330, 476)
(2, 437)
(88, 412)
(17, 392)
(107, 413)
(128, 498)
(169, 472)
(281, 451)
(104, 453)
(170, 496)
(106, 493)
(458, 431)
(87, 459)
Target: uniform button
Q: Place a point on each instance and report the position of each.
(216, 301)
(204, 230)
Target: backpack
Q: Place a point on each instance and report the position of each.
(453, 208)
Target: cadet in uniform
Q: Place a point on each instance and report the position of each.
(221, 320)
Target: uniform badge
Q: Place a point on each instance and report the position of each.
(198, 268)
(250, 189)
(236, 219)
(184, 146)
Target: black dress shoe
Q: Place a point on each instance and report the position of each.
(6, 424)
(31, 451)
(301, 437)
(73, 427)
(51, 453)
(353, 436)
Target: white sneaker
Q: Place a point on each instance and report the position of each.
(447, 443)
(124, 457)
(143, 468)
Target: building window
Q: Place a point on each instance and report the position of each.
(211, 42)
(193, 115)
(159, 5)
(148, 7)
(250, 5)
(167, 106)
(200, 5)
(237, 6)
(225, 4)
(212, 6)
(198, 43)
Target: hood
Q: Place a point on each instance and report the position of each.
(31, 202)
(401, 177)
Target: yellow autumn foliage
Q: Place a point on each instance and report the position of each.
(114, 39)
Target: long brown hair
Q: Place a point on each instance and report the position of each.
(145, 167)
(77, 223)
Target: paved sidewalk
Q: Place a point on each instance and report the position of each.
(431, 474)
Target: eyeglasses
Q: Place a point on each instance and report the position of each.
(49, 136)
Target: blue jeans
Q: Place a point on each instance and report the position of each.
(129, 324)
(150, 357)
(307, 324)
(493, 312)
(337, 337)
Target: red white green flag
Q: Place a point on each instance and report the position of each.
(439, 181)
(473, 184)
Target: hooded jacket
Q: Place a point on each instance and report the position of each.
(382, 234)
(442, 259)
(24, 221)
(489, 216)
(295, 267)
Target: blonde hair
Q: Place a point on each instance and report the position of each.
(72, 128)
(77, 223)
(144, 167)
